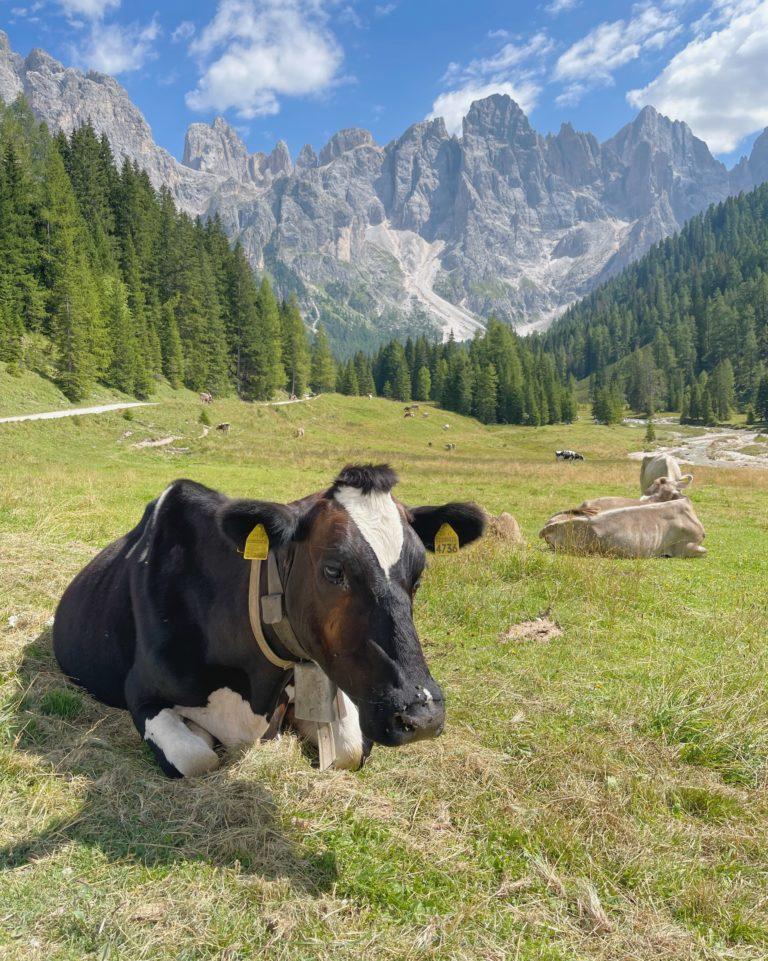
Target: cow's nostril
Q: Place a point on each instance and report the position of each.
(404, 723)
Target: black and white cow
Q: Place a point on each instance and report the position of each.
(568, 455)
(158, 622)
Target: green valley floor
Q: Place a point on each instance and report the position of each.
(600, 794)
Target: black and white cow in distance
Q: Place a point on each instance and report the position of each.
(568, 455)
(158, 622)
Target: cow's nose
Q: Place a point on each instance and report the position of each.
(423, 718)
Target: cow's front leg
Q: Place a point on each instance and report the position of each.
(228, 716)
(351, 747)
(179, 749)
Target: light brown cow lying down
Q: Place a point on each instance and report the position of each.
(666, 529)
(661, 490)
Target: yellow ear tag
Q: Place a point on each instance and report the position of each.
(446, 540)
(257, 545)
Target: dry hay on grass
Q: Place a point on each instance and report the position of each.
(540, 629)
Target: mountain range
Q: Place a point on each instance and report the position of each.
(430, 231)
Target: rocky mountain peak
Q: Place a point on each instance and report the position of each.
(498, 117)
(216, 148)
(432, 229)
(307, 158)
(344, 141)
(279, 161)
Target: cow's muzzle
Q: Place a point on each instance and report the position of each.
(423, 717)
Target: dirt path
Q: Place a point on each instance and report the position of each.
(718, 447)
(105, 408)
(74, 412)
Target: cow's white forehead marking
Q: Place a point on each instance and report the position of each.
(427, 695)
(378, 520)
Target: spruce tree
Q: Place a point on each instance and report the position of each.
(124, 366)
(296, 359)
(423, 384)
(323, 369)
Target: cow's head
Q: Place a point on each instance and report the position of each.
(355, 558)
(666, 489)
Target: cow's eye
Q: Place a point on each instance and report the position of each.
(416, 585)
(334, 573)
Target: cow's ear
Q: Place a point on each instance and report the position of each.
(237, 518)
(468, 520)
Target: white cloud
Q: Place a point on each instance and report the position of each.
(454, 105)
(514, 69)
(557, 7)
(184, 31)
(90, 9)
(384, 9)
(113, 49)
(591, 61)
(717, 83)
(255, 51)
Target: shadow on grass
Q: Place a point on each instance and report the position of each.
(129, 810)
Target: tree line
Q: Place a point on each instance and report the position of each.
(103, 280)
(497, 377)
(685, 327)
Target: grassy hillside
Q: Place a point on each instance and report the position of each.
(597, 795)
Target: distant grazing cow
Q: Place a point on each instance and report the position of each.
(206, 398)
(661, 490)
(667, 529)
(224, 428)
(299, 432)
(662, 465)
(568, 455)
(446, 426)
(409, 413)
(171, 622)
(450, 447)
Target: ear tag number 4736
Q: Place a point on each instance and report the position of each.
(257, 545)
(446, 540)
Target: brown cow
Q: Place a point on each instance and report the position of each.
(666, 529)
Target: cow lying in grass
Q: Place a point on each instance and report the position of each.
(661, 490)
(664, 529)
(161, 621)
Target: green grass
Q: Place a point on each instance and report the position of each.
(600, 795)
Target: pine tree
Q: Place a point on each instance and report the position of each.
(423, 384)
(761, 403)
(296, 358)
(123, 368)
(401, 387)
(486, 395)
(269, 373)
(76, 326)
(323, 368)
(172, 350)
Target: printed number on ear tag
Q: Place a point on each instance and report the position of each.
(446, 540)
(257, 545)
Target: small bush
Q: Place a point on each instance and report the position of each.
(128, 414)
(204, 419)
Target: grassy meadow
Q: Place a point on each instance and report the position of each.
(597, 795)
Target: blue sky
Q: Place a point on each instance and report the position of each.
(302, 69)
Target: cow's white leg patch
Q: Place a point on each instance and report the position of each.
(185, 750)
(209, 739)
(378, 520)
(228, 717)
(347, 737)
